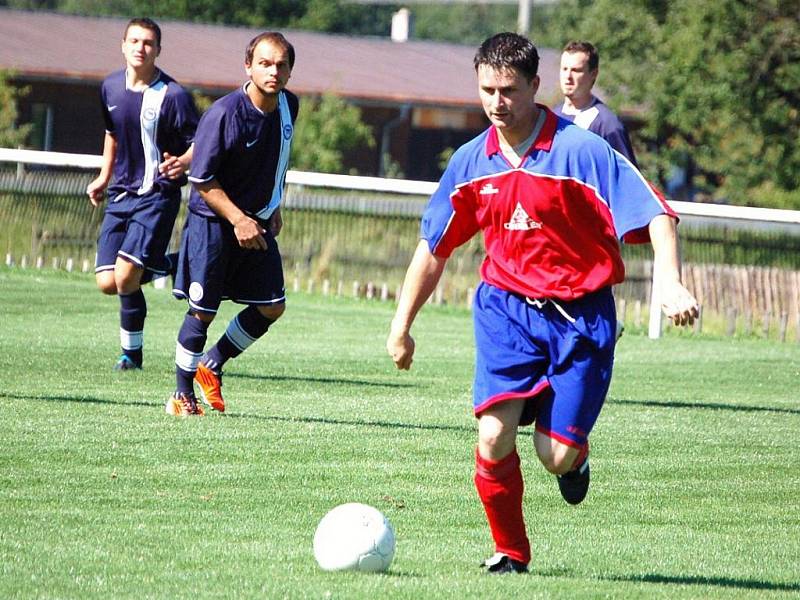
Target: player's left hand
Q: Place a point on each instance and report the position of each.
(171, 167)
(679, 304)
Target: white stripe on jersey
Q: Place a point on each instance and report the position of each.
(283, 158)
(152, 99)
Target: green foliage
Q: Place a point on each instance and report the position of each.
(462, 24)
(719, 81)
(12, 133)
(326, 128)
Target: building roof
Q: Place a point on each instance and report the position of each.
(42, 45)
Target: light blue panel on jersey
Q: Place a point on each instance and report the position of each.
(287, 131)
(152, 99)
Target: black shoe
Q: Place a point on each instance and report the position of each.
(500, 564)
(575, 484)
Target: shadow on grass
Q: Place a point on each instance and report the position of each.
(78, 399)
(333, 380)
(725, 582)
(235, 415)
(705, 405)
(352, 422)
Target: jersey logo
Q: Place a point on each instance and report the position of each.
(251, 144)
(111, 108)
(488, 188)
(521, 221)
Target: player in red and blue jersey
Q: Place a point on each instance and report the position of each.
(580, 66)
(150, 122)
(228, 250)
(552, 202)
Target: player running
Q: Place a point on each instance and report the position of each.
(580, 66)
(150, 122)
(228, 250)
(551, 201)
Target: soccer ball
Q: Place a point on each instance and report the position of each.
(354, 537)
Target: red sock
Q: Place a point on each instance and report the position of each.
(500, 487)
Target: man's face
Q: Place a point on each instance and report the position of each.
(508, 99)
(576, 79)
(140, 47)
(270, 70)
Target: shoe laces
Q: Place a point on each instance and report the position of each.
(188, 402)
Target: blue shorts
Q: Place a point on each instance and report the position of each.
(556, 355)
(137, 229)
(213, 267)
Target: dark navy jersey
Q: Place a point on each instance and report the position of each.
(245, 150)
(145, 124)
(551, 224)
(600, 119)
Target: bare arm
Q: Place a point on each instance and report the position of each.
(677, 302)
(174, 166)
(421, 279)
(97, 188)
(247, 230)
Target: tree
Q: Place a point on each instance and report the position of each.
(12, 134)
(716, 81)
(326, 128)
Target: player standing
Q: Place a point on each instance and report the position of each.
(228, 250)
(150, 122)
(551, 201)
(580, 66)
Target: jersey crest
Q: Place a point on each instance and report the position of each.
(521, 221)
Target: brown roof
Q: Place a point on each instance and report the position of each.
(211, 57)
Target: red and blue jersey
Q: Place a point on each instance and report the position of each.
(551, 225)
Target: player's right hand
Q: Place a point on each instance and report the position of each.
(250, 234)
(95, 191)
(400, 347)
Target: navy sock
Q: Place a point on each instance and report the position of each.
(132, 312)
(188, 351)
(242, 331)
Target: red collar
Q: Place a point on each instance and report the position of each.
(544, 141)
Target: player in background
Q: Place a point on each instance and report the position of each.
(150, 122)
(552, 202)
(228, 250)
(580, 65)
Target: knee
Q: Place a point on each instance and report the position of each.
(557, 458)
(272, 312)
(496, 440)
(105, 282)
(206, 318)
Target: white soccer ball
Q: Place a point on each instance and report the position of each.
(354, 537)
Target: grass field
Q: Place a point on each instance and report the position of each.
(695, 462)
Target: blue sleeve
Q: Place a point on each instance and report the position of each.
(185, 117)
(211, 143)
(107, 121)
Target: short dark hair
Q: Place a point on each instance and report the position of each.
(275, 38)
(586, 47)
(144, 23)
(509, 50)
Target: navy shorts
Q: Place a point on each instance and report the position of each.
(558, 356)
(137, 229)
(213, 267)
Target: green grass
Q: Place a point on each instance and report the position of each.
(695, 462)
